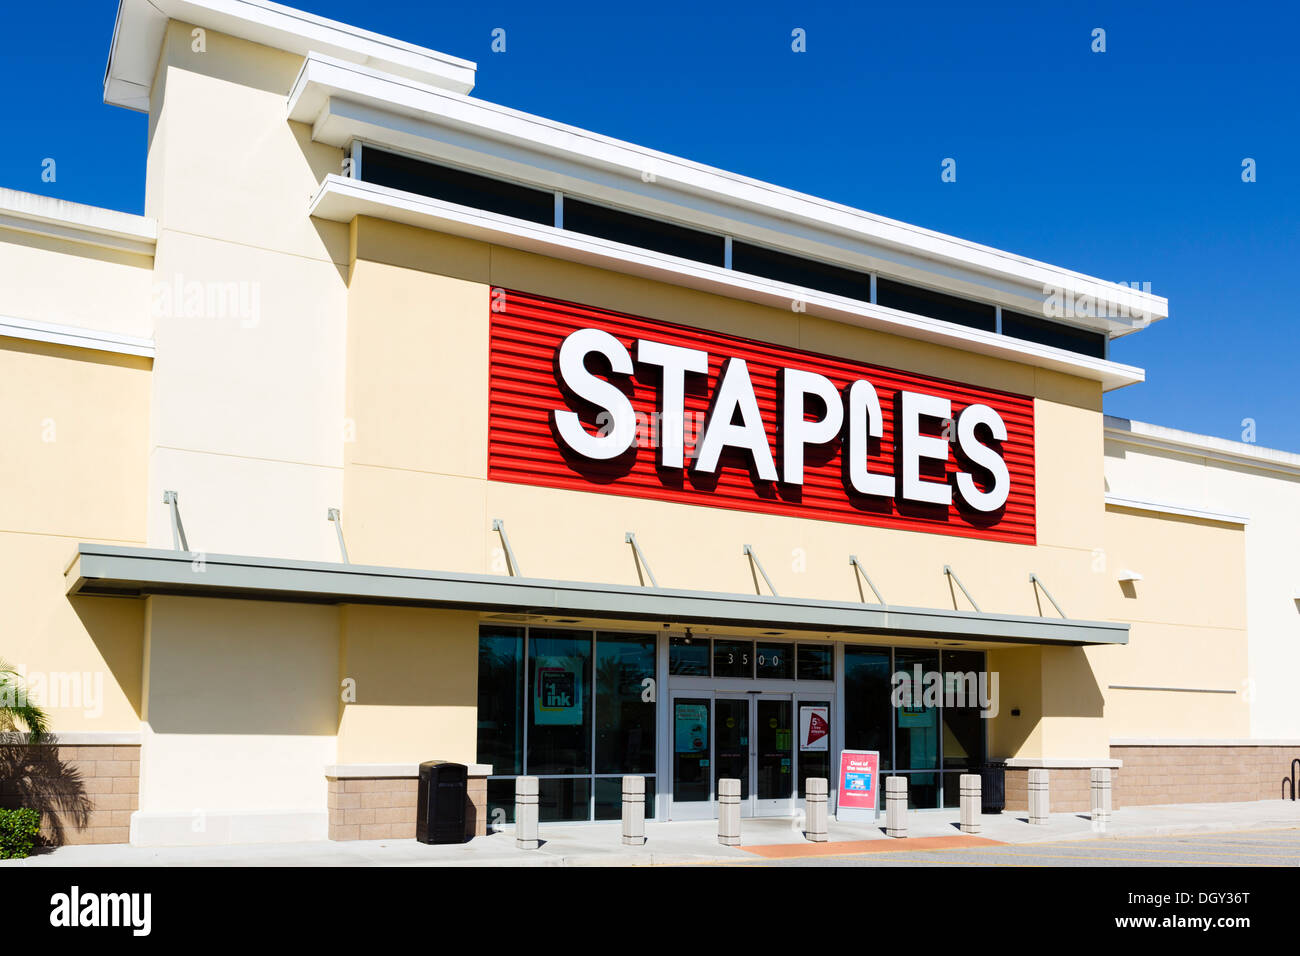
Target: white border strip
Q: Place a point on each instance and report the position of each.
(341, 200)
(1061, 763)
(1201, 742)
(83, 738)
(1137, 504)
(352, 771)
(1181, 690)
(1144, 434)
(76, 336)
(76, 222)
(538, 143)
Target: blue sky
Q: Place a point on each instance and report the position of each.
(1124, 164)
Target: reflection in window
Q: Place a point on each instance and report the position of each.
(500, 699)
(867, 710)
(559, 718)
(774, 661)
(625, 719)
(815, 662)
(733, 659)
(688, 656)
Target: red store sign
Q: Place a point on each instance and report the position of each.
(593, 400)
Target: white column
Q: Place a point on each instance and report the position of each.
(526, 813)
(969, 787)
(1100, 778)
(634, 811)
(896, 806)
(1039, 803)
(815, 809)
(729, 811)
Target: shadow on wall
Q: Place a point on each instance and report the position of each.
(36, 778)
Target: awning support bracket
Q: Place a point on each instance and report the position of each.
(630, 538)
(952, 576)
(179, 541)
(1038, 582)
(333, 515)
(512, 565)
(753, 560)
(853, 561)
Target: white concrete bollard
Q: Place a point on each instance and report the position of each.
(1039, 803)
(896, 806)
(526, 813)
(815, 809)
(969, 788)
(633, 811)
(1100, 796)
(729, 811)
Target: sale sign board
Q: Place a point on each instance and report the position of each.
(814, 728)
(859, 785)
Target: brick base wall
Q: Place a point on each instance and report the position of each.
(383, 808)
(86, 794)
(1180, 774)
(1070, 789)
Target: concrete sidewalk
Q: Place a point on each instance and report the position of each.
(686, 842)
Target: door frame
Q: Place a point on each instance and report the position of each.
(751, 806)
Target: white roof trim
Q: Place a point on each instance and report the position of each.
(1062, 763)
(353, 771)
(1204, 446)
(74, 222)
(341, 200)
(1136, 504)
(141, 25)
(82, 738)
(76, 336)
(1203, 742)
(344, 102)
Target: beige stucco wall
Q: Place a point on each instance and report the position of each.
(248, 400)
(1269, 498)
(1188, 616)
(417, 495)
(413, 679)
(47, 279)
(73, 438)
(239, 706)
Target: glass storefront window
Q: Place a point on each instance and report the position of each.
(774, 661)
(563, 799)
(963, 727)
(500, 801)
(691, 749)
(816, 662)
(625, 720)
(917, 739)
(868, 714)
(609, 798)
(733, 659)
(559, 713)
(688, 656)
(814, 762)
(500, 699)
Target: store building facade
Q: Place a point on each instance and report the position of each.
(406, 426)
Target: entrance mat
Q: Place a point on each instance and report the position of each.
(785, 850)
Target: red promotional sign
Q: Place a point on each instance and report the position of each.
(593, 400)
(859, 783)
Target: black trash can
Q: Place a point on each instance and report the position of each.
(440, 805)
(993, 787)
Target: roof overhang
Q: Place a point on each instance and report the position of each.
(141, 24)
(344, 102)
(117, 571)
(342, 199)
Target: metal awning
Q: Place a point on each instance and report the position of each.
(116, 571)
